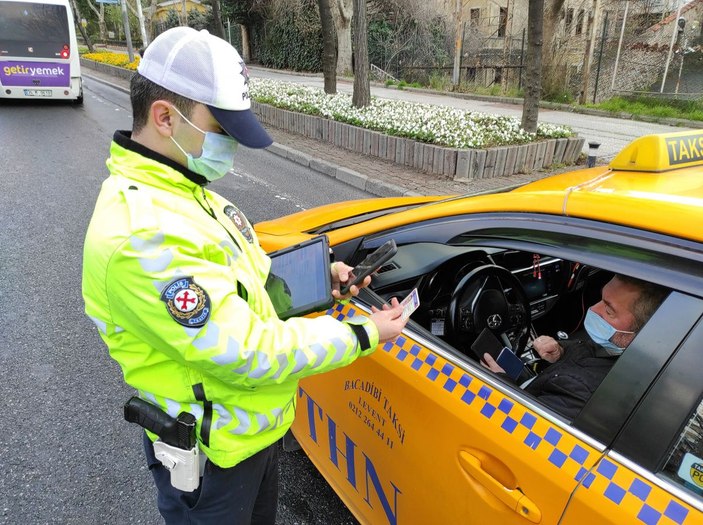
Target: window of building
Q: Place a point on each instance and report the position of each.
(569, 21)
(579, 22)
(502, 21)
(475, 17)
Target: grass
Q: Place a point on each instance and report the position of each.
(401, 84)
(654, 107)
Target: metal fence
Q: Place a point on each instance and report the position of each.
(589, 59)
(662, 60)
(490, 57)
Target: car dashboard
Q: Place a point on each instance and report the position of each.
(437, 269)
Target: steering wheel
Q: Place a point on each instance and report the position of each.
(479, 301)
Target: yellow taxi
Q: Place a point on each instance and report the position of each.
(421, 432)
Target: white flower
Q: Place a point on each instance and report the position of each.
(439, 125)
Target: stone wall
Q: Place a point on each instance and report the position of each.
(458, 164)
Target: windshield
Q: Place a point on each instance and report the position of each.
(32, 30)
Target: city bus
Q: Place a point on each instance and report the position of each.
(39, 51)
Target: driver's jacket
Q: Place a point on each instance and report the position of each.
(175, 286)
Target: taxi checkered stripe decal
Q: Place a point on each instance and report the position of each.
(622, 488)
(617, 485)
(440, 371)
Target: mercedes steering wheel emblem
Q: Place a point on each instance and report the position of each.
(494, 321)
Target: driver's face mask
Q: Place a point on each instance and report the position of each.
(217, 157)
(602, 332)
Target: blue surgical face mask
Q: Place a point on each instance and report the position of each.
(217, 157)
(602, 332)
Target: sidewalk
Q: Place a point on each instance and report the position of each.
(378, 177)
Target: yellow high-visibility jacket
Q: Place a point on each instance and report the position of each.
(174, 279)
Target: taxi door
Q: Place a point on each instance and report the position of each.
(411, 434)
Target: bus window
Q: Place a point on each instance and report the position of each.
(33, 30)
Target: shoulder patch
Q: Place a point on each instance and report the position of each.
(240, 221)
(188, 303)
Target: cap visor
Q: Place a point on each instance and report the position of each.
(243, 126)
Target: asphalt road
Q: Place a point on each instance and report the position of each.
(66, 454)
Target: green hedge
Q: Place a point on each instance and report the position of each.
(292, 41)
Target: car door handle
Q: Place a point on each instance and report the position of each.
(513, 498)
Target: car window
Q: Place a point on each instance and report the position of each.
(685, 463)
(520, 295)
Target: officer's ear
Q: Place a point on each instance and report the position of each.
(162, 116)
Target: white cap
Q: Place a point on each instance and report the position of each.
(205, 68)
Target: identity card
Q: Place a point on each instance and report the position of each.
(410, 304)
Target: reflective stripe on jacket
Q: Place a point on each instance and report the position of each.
(217, 350)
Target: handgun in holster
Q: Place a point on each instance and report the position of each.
(177, 447)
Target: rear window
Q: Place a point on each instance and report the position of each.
(32, 30)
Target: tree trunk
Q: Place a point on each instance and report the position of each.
(329, 47)
(78, 18)
(342, 11)
(217, 19)
(362, 85)
(101, 19)
(533, 73)
(246, 45)
(150, 20)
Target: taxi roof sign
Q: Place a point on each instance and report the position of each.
(661, 152)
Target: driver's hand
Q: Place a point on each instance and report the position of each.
(490, 363)
(548, 348)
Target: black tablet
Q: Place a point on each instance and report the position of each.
(299, 281)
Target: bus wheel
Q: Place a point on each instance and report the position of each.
(79, 99)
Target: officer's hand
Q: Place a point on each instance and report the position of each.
(389, 321)
(341, 273)
(548, 348)
(490, 363)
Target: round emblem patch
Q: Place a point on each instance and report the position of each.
(188, 303)
(240, 221)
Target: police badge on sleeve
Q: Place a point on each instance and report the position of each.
(240, 221)
(188, 303)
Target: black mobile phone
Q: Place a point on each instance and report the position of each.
(370, 264)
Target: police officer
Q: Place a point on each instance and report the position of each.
(174, 279)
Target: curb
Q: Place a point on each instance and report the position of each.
(107, 83)
(346, 175)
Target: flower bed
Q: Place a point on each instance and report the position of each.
(440, 125)
(113, 59)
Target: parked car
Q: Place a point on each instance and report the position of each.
(421, 432)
